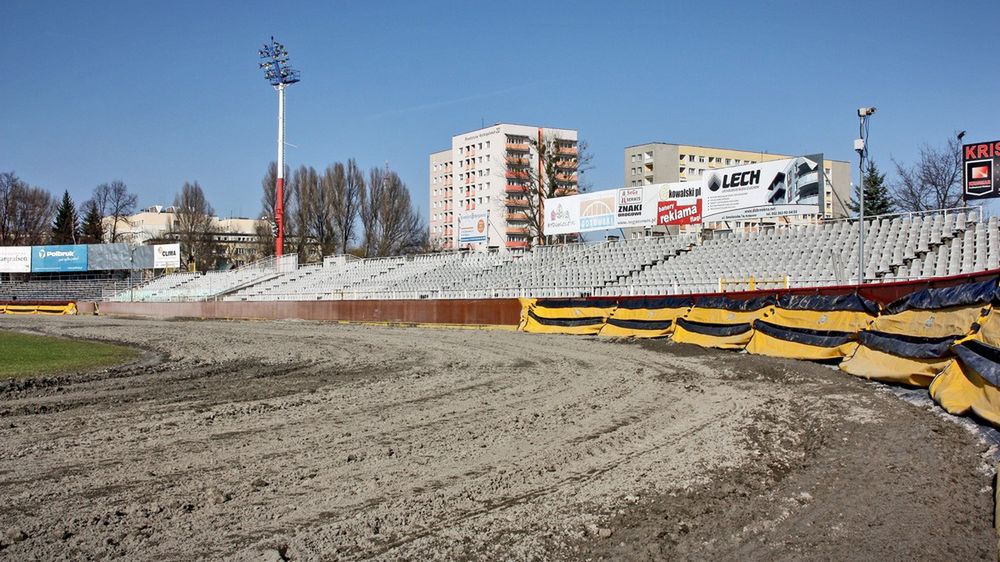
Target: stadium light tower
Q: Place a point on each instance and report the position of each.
(274, 62)
(861, 147)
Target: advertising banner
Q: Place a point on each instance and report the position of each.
(166, 255)
(597, 210)
(472, 227)
(46, 259)
(678, 203)
(769, 189)
(562, 215)
(635, 207)
(15, 259)
(980, 170)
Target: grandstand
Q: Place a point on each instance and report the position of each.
(897, 248)
(83, 287)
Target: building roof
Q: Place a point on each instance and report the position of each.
(725, 148)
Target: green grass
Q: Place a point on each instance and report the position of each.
(25, 355)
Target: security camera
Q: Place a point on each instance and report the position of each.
(865, 111)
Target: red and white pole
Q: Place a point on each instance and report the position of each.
(279, 192)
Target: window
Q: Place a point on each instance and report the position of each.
(690, 157)
(487, 144)
(633, 158)
(701, 158)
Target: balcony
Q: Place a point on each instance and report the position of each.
(566, 178)
(518, 147)
(563, 191)
(517, 244)
(564, 164)
(517, 175)
(517, 217)
(566, 150)
(517, 230)
(512, 188)
(517, 203)
(516, 162)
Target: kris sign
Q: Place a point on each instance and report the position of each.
(58, 258)
(980, 168)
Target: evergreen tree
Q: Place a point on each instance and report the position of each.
(877, 199)
(66, 227)
(93, 224)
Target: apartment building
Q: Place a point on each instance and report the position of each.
(487, 178)
(659, 162)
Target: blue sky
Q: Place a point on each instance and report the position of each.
(157, 94)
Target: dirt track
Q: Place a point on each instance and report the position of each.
(303, 441)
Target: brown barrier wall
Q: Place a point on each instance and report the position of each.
(504, 312)
(465, 311)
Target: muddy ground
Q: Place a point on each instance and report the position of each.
(306, 441)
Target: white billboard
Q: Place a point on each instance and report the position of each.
(473, 227)
(166, 255)
(779, 188)
(15, 259)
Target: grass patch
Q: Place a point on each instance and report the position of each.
(25, 355)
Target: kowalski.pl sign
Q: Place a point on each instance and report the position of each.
(980, 170)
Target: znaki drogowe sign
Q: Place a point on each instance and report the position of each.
(47, 259)
(980, 170)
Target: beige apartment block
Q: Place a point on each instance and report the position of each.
(492, 170)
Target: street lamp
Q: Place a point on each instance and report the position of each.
(861, 147)
(274, 62)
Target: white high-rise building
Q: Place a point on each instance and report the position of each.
(485, 176)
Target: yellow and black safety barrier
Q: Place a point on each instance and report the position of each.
(45, 309)
(944, 338)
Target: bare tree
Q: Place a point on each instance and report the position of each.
(371, 197)
(934, 182)
(194, 227)
(115, 202)
(346, 200)
(306, 204)
(26, 212)
(392, 225)
(323, 223)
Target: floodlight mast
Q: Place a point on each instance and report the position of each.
(274, 63)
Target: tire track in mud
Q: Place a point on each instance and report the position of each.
(329, 441)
